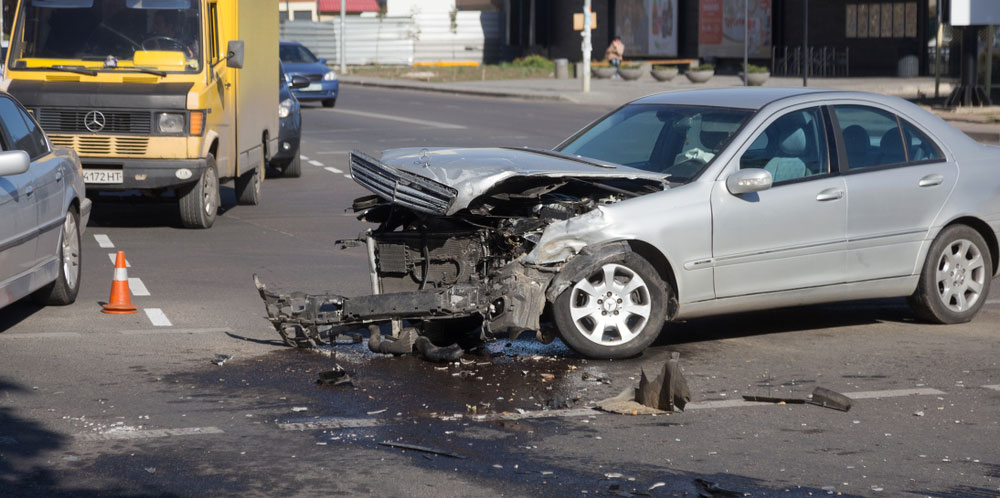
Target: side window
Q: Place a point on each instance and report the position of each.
(871, 136)
(792, 147)
(24, 134)
(213, 32)
(918, 146)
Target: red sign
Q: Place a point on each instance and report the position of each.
(710, 22)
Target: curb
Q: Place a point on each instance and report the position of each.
(452, 90)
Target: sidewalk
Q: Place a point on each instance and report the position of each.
(615, 92)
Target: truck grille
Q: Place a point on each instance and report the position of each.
(102, 145)
(115, 121)
(401, 187)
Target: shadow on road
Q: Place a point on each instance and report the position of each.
(17, 313)
(132, 211)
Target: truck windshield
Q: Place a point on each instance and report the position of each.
(106, 31)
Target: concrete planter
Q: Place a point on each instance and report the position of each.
(630, 74)
(757, 79)
(700, 76)
(604, 72)
(664, 74)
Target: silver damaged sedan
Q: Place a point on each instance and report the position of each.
(674, 206)
(43, 212)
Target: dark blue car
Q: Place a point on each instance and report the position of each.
(286, 158)
(323, 83)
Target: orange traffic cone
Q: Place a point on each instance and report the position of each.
(120, 302)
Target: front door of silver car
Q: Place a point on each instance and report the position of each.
(18, 219)
(898, 180)
(789, 236)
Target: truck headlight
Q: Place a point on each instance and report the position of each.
(285, 108)
(170, 123)
(330, 76)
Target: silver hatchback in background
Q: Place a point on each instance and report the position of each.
(43, 212)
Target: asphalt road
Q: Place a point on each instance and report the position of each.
(99, 405)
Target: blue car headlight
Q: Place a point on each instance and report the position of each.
(330, 76)
(285, 108)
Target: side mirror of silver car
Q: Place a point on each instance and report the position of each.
(748, 180)
(14, 162)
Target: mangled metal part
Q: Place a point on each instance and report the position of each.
(668, 391)
(821, 396)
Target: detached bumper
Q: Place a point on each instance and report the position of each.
(144, 174)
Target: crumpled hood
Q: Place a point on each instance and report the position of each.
(474, 171)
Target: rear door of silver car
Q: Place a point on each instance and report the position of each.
(898, 179)
(792, 235)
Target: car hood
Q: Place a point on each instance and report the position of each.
(472, 172)
(305, 68)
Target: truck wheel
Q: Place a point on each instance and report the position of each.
(294, 168)
(67, 284)
(329, 102)
(248, 187)
(199, 202)
(955, 279)
(615, 310)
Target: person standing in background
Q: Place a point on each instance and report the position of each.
(615, 53)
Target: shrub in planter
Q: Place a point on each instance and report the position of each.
(604, 72)
(664, 73)
(700, 74)
(757, 75)
(630, 72)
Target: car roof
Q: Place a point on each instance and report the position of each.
(285, 42)
(737, 98)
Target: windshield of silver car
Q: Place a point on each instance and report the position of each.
(672, 139)
(110, 31)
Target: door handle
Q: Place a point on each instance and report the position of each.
(59, 176)
(931, 180)
(830, 194)
(29, 190)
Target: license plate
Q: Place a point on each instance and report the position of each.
(102, 176)
(314, 87)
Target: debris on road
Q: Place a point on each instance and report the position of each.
(335, 377)
(711, 489)
(299, 408)
(221, 358)
(430, 352)
(821, 396)
(666, 393)
(423, 449)
(401, 345)
(376, 412)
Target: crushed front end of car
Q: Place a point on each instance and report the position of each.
(480, 233)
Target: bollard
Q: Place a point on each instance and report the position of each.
(562, 69)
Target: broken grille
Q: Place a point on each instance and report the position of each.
(401, 187)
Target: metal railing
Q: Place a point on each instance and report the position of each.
(821, 62)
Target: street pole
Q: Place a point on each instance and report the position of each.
(343, 37)
(746, 42)
(990, 35)
(288, 11)
(586, 46)
(937, 50)
(805, 43)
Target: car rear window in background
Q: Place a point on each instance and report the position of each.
(21, 129)
(871, 136)
(671, 139)
(295, 53)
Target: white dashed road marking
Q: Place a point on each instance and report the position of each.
(433, 124)
(331, 169)
(137, 287)
(103, 241)
(157, 317)
(123, 433)
(995, 387)
(347, 176)
(315, 163)
(157, 332)
(111, 256)
(304, 158)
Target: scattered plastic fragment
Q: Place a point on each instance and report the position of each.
(221, 358)
(424, 449)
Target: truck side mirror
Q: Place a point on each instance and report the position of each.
(234, 55)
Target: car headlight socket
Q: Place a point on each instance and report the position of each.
(285, 108)
(330, 76)
(170, 123)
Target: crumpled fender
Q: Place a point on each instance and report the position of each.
(578, 267)
(564, 239)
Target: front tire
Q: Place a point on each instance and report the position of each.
(956, 277)
(329, 102)
(64, 289)
(199, 202)
(294, 168)
(616, 310)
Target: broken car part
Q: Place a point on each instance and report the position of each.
(820, 397)
(424, 449)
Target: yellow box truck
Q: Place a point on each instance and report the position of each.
(168, 97)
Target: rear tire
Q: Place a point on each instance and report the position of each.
(64, 289)
(294, 168)
(248, 187)
(329, 102)
(199, 202)
(955, 280)
(612, 327)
